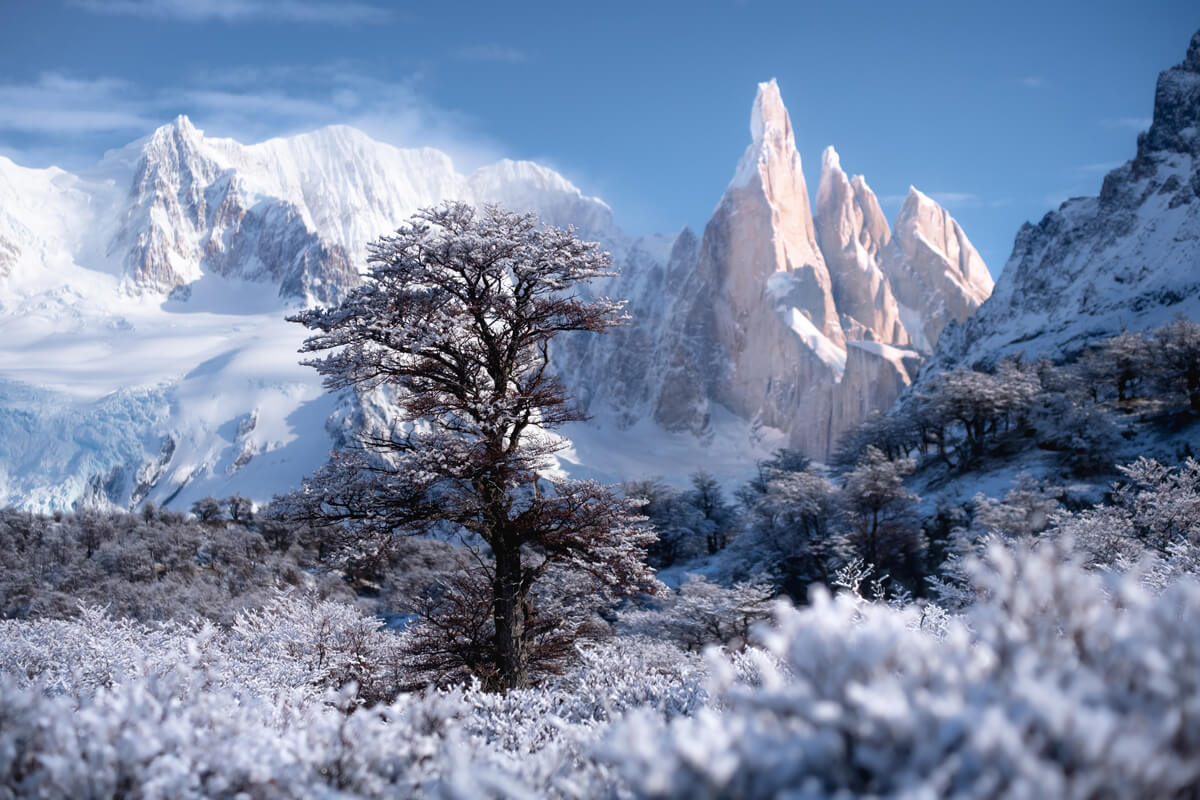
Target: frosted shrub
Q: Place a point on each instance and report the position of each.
(703, 613)
(296, 642)
(1155, 511)
(153, 566)
(201, 716)
(331, 644)
(1057, 681)
(1057, 685)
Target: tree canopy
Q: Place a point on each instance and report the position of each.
(454, 320)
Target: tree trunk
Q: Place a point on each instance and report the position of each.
(508, 609)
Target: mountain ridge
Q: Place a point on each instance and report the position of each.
(759, 322)
(1125, 259)
(152, 286)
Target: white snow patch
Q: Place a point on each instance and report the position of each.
(833, 356)
(728, 451)
(894, 355)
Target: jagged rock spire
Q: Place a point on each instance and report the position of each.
(933, 268)
(853, 234)
(1176, 108)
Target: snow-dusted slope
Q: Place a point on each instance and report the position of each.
(143, 350)
(298, 212)
(1128, 259)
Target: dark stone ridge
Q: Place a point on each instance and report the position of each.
(1176, 126)
(1097, 265)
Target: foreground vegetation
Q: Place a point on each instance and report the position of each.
(1056, 663)
(1056, 681)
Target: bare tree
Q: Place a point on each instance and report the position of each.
(706, 495)
(881, 516)
(456, 316)
(208, 509)
(1125, 360)
(1178, 357)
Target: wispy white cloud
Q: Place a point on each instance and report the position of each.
(494, 53)
(253, 104)
(1133, 123)
(1033, 82)
(277, 106)
(247, 104)
(959, 199)
(57, 104)
(307, 11)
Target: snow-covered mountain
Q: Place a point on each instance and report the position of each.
(1128, 259)
(780, 321)
(145, 355)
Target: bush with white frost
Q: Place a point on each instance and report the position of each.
(1065, 662)
(1059, 683)
(702, 613)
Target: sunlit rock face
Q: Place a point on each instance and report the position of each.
(784, 318)
(153, 287)
(936, 274)
(1128, 259)
(762, 330)
(854, 235)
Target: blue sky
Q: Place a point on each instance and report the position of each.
(1000, 110)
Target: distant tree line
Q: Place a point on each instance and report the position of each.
(962, 416)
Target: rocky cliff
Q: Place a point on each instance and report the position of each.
(1128, 259)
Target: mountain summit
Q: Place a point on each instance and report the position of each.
(854, 236)
(1125, 260)
(153, 287)
(782, 321)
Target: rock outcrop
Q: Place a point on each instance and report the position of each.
(298, 212)
(854, 235)
(761, 330)
(937, 275)
(1128, 259)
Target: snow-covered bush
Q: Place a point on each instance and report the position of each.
(702, 613)
(793, 537)
(680, 526)
(198, 715)
(296, 642)
(1155, 511)
(1061, 682)
(152, 566)
(1027, 510)
(881, 524)
(1082, 431)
